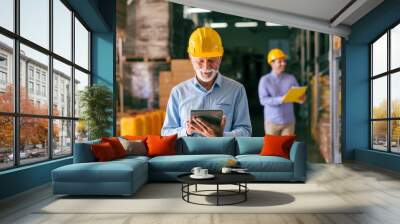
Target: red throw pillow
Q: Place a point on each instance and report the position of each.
(161, 145)
(116, 145)
(103, 152)
(275, 145)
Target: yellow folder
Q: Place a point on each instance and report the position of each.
(294, 94)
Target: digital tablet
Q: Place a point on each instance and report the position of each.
(210, 116)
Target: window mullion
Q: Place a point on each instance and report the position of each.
(73, 82)
(50, 81)
(371, 98)
(389, 101)
(16, 84)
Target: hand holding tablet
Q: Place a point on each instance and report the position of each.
(209, 123)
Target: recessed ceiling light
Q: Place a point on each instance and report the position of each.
(272, 24)
(197, 10)
(219, 25)
(246, 24)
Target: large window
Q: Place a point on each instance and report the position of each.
(385, 94)
(44, 64)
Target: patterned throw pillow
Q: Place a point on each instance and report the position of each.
(134, 147)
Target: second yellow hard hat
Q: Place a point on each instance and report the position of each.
(275, 54)
(205, 42)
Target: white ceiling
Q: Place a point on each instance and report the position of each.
(316, 15)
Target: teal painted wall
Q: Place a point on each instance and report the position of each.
(24, 178)
(356, 85)
(103, 66)
(99, 15)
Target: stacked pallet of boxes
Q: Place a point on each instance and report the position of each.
(147, 123)
(181, 70)
(145, 53)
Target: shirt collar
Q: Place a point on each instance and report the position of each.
(277, 76)
(218, 82)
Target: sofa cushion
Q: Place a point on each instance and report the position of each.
(257, 163)
(131, 158)
(249, 145)
(185, 163)
(209, 145)
(111, 171)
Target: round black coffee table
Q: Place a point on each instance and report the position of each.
(238, 179)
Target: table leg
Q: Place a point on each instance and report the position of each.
(196, 188)
(245, 193)
(217, 194)
(188, 190)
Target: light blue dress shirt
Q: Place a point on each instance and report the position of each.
(225, 94)
(271, 90)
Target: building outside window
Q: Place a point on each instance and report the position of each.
(30, 87)
(3, 78)
(38, 89)
(30, 72)
(43, 78)
(3, 72)
(37, 75)
(43, 90)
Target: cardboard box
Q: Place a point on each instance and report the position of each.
(180, 78)
(165, 78)
(163, 101)
(181, 65)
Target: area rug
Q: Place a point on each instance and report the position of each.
(166, 198)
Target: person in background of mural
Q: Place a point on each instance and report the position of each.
(279, 117)
(208, 90)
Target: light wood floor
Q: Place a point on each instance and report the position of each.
(377, 188)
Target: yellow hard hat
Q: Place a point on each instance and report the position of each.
(275, 54)
(205, 42)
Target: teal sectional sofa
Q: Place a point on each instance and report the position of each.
(125, 176)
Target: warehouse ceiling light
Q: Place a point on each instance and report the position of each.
(219, 25)
(246, 24)
(197, 10)
(272, 24)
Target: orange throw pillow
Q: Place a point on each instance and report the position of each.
(103, 152)
(116, 145)
(161, 145)
(275, 145)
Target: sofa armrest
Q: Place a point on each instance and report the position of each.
(83, 152)
(298, 155)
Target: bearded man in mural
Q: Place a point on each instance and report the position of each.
(207, 90)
